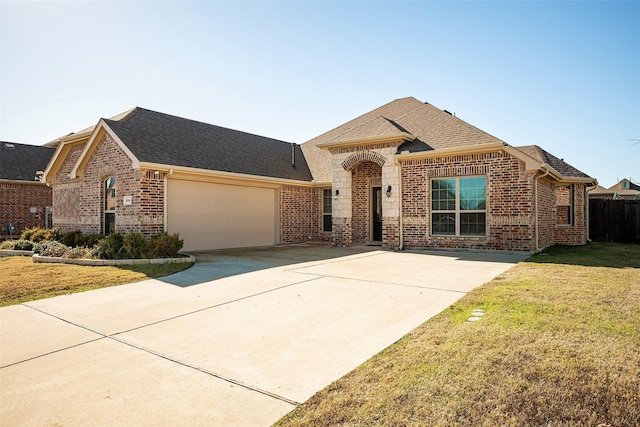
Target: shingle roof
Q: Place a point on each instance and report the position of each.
(558, 164)
(165, 139)
(20, 162)
(432, 128)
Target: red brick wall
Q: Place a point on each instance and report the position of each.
(546, 212)
(78, 203)
(301, 215)
(510, 204)
(575, 234)
(16, 200)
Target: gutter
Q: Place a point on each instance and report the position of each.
(401, 245)
(590, 188)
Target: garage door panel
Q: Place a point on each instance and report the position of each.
(213, 216)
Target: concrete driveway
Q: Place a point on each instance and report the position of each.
(239, 339)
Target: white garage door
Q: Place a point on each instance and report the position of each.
(214, 216)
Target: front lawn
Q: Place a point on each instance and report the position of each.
(22, 280)
(558, 344)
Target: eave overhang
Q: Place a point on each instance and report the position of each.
(183, 172)
(399, 137)
(531, 164)
(90, 147)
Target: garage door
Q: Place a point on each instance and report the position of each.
(214, 216)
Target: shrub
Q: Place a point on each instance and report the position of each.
(22, 245)
(134, 245)
(110, 247)
(165, 245)
(90, 240)
(69, 238)
(28, 232)
(78, 252)
(37, 234)
(52, 248)
(7, 244)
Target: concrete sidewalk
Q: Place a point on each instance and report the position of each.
(239, 350)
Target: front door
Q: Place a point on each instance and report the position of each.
(376, 214)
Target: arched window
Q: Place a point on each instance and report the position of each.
(109, 205)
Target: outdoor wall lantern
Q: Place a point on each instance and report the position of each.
(389, 191)
(337, 193)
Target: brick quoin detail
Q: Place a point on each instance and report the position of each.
(363, 156)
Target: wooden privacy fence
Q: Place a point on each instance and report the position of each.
(614, 220)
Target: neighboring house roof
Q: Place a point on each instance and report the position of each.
(21, 162)
(558, 164)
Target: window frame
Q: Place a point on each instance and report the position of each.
(457, 212)
(109, 215)
(327, 195)
(570, 206)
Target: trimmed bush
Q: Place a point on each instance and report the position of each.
(22, 245)
(78, 252)
(164, 245)
(52, 248)
(134, 245)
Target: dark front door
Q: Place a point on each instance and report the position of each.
(376, 214)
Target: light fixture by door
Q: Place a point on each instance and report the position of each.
(388, 191)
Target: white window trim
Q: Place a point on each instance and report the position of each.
(330, 214)
(457, 211)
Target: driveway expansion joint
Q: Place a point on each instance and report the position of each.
(155, 353)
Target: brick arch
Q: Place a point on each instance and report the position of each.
(363, 156)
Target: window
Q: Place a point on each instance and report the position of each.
(109, 205)
(326, 210)
(458, 206)
(625, 184)
(564, 205)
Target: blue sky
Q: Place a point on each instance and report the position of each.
(562, 75)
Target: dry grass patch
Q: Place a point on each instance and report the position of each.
(23, 280)
(557, 346)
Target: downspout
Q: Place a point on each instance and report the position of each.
(166, 202)
(401, 245)
(535, 195)
(586, 195)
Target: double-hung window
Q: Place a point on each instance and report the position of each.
(564, 205)
(326, 210)
(459, 206)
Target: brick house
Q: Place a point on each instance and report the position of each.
(403, 175)
(25, 202)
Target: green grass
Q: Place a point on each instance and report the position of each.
(23, 280)
(559, 345)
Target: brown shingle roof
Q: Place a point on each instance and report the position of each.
(170, 140)
(558, 164)
(432, 128)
